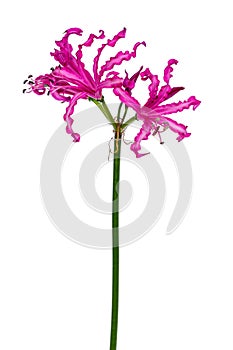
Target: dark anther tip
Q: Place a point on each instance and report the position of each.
(25, 81)
(30, 76)
(161, 143)
(24, 90)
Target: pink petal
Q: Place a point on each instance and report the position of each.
(153, 87)
(86, 75)
(143, 134)
(68, 75)
(113, 82)
(127, 99)
(92, 37)
(110, 42)
(63, 55)
(75, 30)
(119, 58)
(166, 91)
(129, 83)
(69, 112)
(168, 70)
(178, 106)
(180, 129)
(72, 64)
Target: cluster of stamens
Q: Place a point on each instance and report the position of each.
(28, 82)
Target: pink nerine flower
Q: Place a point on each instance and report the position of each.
(70, 80)
(153, 113)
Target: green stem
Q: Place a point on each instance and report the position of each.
(119, 112)
(123, 118)
(107, 112)
(115, 240)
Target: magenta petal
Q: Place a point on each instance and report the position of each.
(119, 58)
(153, 87)
(111, 83)
(178, 106)
(92, 37)
(168, 70)
(129, 83)
(180, 129)
(69, 112)
(110, 42)
(127, 99)
(143, 134)
(63, 55)
(77, 31)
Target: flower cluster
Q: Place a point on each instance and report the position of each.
(70, 81)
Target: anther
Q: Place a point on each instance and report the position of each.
(156, 130)
(24, 90)
(30, 76)
(25, 81)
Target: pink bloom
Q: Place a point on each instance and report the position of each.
(70, 81)
(153, 112)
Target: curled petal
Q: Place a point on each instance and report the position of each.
(113, 82)
(89, 42)
(164, 94)
(153, 87)
(69, 112)
(63, 55)
(75, 30)
(166, 91)
(119, 58)
(92, 37)
(71, 64)
(178, 106)
(110, 42)
(128, 100)
(168, 70)
(68, 75)
(143, 134)
(129, 83)
(178, 128)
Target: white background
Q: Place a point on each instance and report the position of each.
(175, 291)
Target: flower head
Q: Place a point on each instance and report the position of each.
(153, 112)
(70, 81)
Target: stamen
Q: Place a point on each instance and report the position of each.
(165, 126)
(25, 81)
(24, 90)
(160, 139)
(156, 130)
(30, 76)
